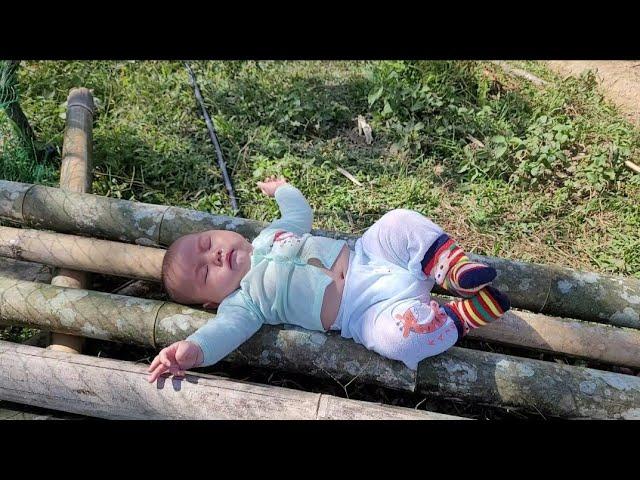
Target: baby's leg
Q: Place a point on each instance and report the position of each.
(414, 329)
(412, 241)
(408, 330)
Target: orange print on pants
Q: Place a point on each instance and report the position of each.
(420, 319)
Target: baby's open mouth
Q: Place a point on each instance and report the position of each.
(229, 257)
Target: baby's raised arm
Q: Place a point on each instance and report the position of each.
(295, 212)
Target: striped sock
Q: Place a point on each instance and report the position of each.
(484, 307)
(452, 269)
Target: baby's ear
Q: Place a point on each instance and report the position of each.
(210, 305)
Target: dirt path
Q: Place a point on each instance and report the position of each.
(619, 79)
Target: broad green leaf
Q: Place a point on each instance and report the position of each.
(375, 96)
(499, 150)
(387, 108)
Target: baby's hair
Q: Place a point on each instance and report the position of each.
(167, 271)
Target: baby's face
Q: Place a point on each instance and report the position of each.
(208, 266)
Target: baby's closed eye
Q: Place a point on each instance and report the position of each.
(205, 273)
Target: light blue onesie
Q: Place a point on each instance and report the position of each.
(280, 287)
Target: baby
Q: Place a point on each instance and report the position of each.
(377, 294)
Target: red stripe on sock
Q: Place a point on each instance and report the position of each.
(466, 307)
(456, 256)
(493, 301)
(431, 263)
(478, 313)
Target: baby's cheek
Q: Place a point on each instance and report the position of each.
(228, 283)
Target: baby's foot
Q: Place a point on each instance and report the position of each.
(485, 307)
(449, 265)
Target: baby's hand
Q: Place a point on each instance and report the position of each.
(176, 358)
(271, 184)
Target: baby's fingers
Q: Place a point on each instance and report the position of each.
(164, 359)
(263, 188)
(154, 364)
(174, 369)
(159, 370)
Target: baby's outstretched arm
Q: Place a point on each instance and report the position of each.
(175, 359)
(236, 321)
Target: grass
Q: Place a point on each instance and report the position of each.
(508, 168)
(543, 180)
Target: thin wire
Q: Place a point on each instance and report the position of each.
(214, 138)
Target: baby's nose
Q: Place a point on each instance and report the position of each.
(216, 256)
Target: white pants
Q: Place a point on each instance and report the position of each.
(386, 303)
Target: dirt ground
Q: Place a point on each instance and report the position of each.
(620, 80)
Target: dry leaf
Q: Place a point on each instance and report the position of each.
(364, 127)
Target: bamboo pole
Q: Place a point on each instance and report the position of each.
(577, 338)
(615, 345)
(557, 291)
(548, 388)
(31, 272)
(75, 171)
(75, 176)
(156, 324)
(115, 389)
(471, 375)
(476, 376)
(82, 253)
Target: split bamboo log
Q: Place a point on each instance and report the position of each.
(75, 176)
(553, 389)
(618, 346)
(115, 389)
(558, 291)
